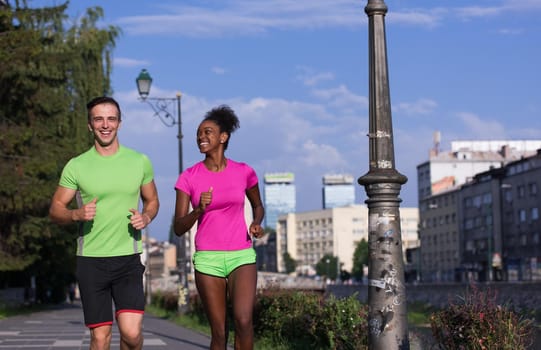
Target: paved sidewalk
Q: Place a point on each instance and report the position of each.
(63, 328)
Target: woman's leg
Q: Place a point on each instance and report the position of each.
(242, 285)
(212, 291)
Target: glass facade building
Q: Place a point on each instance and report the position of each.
(280, 196)
(338, 191)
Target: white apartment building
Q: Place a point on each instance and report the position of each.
(308, 236)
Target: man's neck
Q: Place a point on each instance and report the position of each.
(107, 150)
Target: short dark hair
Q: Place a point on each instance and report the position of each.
(225, 118)
(102, 100)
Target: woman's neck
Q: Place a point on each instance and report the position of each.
(216, 163)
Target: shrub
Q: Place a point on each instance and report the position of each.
(167, 300)
(476, 321)
(306, 320)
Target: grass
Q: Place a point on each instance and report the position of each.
(419, 313)
(9, 311)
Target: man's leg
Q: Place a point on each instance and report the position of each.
(129, 298)
(130, 326)
(100, 337)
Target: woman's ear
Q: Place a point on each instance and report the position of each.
(223, 137)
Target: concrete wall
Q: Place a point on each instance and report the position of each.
(523, 295)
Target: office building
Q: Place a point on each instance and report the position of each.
(439, 183)
(309, 236)
(499, 212)
(338, 191)
(280, 196)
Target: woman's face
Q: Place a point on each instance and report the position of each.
(209, 136)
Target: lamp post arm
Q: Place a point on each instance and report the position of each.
(160, 106)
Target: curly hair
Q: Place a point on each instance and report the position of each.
(225, 118)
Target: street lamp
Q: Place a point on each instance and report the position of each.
(387, 316)
(160, 106)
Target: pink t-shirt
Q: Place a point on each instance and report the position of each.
(222, 226)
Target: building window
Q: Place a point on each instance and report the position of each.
(535, 213)
(521, 191)
(522, 215)
(533, 189)
(508, 196)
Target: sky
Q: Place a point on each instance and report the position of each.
(296, 74)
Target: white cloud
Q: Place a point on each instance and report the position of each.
(310, 78)
(510, 31)
(342, 97)
(422, 106)
(129, 62)
(477, 128)
(419, 17)
(323, 155)
(218, 70)
(247, 18)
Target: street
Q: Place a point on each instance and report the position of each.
(63, 328)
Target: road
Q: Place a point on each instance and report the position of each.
(62, 328)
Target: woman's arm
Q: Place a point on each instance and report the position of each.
(184, 220)
(258, 211)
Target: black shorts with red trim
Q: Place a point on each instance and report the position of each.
(103, 281)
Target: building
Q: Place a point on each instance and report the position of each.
(280, 196)
(338, 191)
(499, 213)
(309, 236)
(439, 184)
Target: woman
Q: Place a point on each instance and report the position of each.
(224, 261)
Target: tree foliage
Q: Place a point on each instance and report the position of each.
(49, 69)
(360, 259)
(289, 262)
(328, 266)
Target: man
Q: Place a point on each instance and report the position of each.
(110, 179)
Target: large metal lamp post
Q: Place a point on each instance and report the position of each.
(160, 106)
(386, 289)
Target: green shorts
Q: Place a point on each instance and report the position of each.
(222, 263)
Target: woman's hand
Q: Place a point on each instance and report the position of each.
(256, 230)
(205, 199)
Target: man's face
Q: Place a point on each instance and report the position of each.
(104, 123)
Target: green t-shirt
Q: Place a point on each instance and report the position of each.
(116, 183)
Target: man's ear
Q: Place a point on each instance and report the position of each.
(89, 127)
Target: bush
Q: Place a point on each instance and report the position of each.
(478, 322)
(306, 320)
(167, 300)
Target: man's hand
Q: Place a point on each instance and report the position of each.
(87, 212)
(139, 221)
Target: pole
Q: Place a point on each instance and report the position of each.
(148, 272)
(183, 255)
(387, 315)
(179, 135)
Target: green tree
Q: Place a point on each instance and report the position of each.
(289, 263)
(48, 73)
(360, 259)
(328, 266)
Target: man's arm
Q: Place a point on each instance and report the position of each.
(60, 213)
(151, 205)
